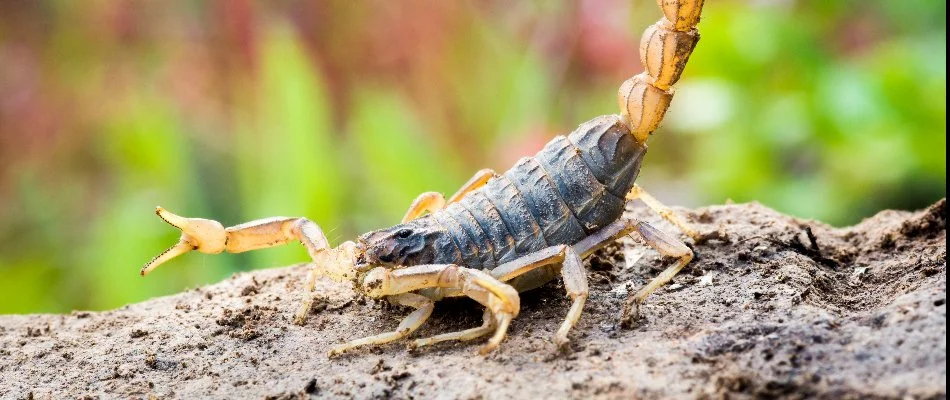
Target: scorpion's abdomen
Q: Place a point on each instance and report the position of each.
(594, 168)
(515, 215)
(492, 223)
(575, 186)
(476, 245)
(557, 222)
(468, 246)
(611, 153)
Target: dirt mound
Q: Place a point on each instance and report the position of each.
(776, 307)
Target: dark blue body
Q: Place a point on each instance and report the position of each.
(573, 187)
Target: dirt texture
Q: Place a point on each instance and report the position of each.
(776, 307)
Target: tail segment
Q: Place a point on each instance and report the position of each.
(664, 50)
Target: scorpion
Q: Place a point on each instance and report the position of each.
(500, 234)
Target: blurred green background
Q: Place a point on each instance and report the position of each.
(344, 111)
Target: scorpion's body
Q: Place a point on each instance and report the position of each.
(501, 234)
(572, 188)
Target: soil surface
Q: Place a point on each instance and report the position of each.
(776, 306)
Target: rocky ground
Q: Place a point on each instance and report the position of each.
(777, 307)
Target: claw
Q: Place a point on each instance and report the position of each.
(503, 322)
(178, 249)
(204, 235)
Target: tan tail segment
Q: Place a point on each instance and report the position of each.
(664, 50)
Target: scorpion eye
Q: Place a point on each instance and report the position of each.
(403, 233)
(387, 258)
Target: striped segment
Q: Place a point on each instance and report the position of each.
(573, 187)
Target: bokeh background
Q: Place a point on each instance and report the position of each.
(344, 111)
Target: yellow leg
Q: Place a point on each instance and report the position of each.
(411, 323)
(666, 245)
(500, 299)
(430, 202)
(488, 325)
(574, 276)
(575, 281)
(427, 202)
(572, 272)
(637, 193)
(480, 179)
(337, 264)
(518, 267)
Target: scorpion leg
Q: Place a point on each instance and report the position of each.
(605, 236)
(529, 272)
(513, 269)
(525, 273)
(500, 299)
(426, 202)
(413, 321)
(480, 179)
(638, 193)
(520, 266)
(344, 254)
(666, 245)
(575, 281)
(488, 325)
(433, 201)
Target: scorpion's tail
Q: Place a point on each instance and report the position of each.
(664, 50)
